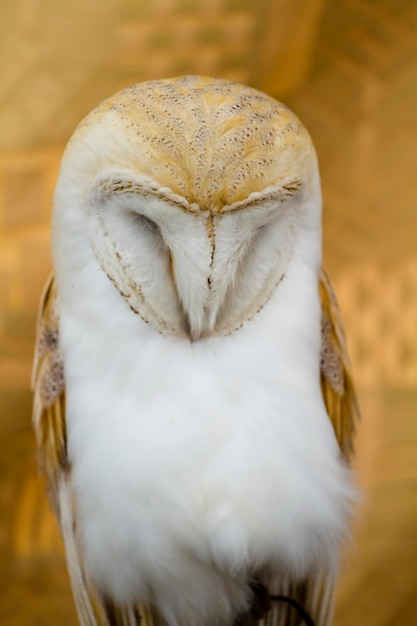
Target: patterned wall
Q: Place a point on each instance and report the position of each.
(360, 104)
(348, 70)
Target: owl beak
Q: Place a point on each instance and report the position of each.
(202, 305)
(204, 275)
(190, 270)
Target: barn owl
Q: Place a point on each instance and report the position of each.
(194, 406)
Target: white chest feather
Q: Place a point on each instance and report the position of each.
(199, 463)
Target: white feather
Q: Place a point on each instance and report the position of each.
(196, 464)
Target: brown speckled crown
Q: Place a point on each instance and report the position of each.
(210, 141)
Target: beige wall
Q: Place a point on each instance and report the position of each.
(348, 69)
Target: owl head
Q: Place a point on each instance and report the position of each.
(192, 195)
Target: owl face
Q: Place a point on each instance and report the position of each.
(193, 192)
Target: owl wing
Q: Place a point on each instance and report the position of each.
(335, 371)
(316, 594)
(50, 430)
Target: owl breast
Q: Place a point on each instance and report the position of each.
(196, 464)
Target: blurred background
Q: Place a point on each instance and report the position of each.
(349, 71)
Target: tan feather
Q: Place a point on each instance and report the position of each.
(336, 373)
(49, 394)
(210, 141)
(315, 595)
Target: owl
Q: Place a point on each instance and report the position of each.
(193, 400)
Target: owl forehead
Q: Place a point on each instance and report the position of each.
(210, 141)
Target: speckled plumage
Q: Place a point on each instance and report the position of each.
(213, 143)
(192, 451)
